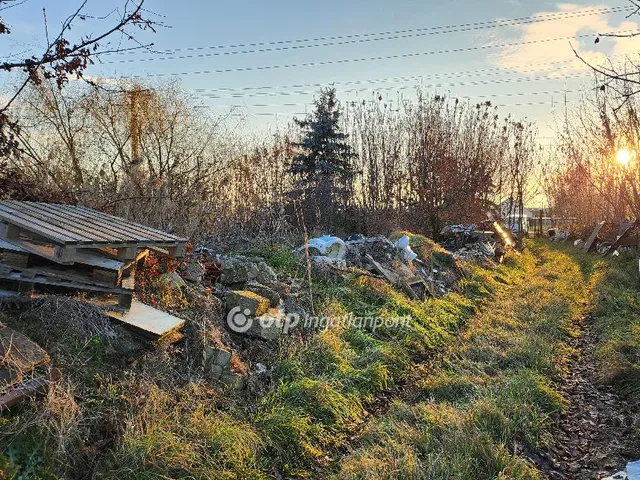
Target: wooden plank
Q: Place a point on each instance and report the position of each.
(28, 389)
(37, 211)
(133, 228)
(121, 222)
(87, 221)
(148, 321)
(62, 219)
(11, 254)
(14, 275)
(18, 355)
(39, 227)
(589, 244)
(66, 273)
(55, 253)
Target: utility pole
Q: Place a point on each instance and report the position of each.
(135, 96)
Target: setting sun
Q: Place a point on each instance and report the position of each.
(624, 156)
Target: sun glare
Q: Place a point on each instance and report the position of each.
(623, 157)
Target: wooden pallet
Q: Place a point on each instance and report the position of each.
(96, 268)
(59, 232)
(28, 281)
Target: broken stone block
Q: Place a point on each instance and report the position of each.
(173, 280)
(264, 291)
(251, 304)
(265, 273)
(233, 380)
(234, 273)
(216, 371)
(268, 326)
(221, 357)
(193, 271)
(280, 287)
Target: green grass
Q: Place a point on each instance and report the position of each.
(616, 320)
(494, 387)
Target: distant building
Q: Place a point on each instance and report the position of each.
(511, 216)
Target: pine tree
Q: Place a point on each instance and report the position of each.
(324, 167)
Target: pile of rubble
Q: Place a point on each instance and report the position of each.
(488, 241)
(396, 262)
(611, 238)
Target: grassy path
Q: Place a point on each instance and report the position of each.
(485, 406)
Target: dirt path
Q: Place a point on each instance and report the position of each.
(596, 437)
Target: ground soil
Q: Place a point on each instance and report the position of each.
(597, 435)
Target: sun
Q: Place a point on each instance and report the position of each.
(624, 156)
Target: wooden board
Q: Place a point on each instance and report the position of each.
(18, 355)
(24, 282)
(148, 321)
(628, 236)
(67, 228)
(28, 389)
(589, 244)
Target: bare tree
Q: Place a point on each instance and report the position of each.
(62, 59)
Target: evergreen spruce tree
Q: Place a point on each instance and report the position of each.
(323, 168)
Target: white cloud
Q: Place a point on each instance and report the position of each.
(581, 29)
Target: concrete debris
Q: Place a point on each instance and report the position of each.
(193, 271)
(217, 362)
(268, 326)
(379, 248)
(249, 303)
(631, 472)
(487, 241)
(398, 264)
(260, 368)
(173, 280)
(264, 291)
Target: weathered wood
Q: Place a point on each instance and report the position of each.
(148, 321)
(16, 277)
(28, 390)
(18, 355)
(589, 244)
(626, 237)
(67, 228)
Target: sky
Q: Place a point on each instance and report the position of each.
(265, 61)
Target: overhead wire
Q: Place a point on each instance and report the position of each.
(396, 35)
(375, 58)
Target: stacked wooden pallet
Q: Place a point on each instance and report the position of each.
(67, 249)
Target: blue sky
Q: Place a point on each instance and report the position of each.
(524, 79)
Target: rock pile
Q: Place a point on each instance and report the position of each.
(395, 261)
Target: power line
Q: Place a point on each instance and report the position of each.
(521, 104)
(594, 11)
(512, 94)
(388, 57)
(400, 34)
(489, 71)
(431, 85)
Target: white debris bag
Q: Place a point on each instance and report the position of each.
(403, 245)
(329, 246)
